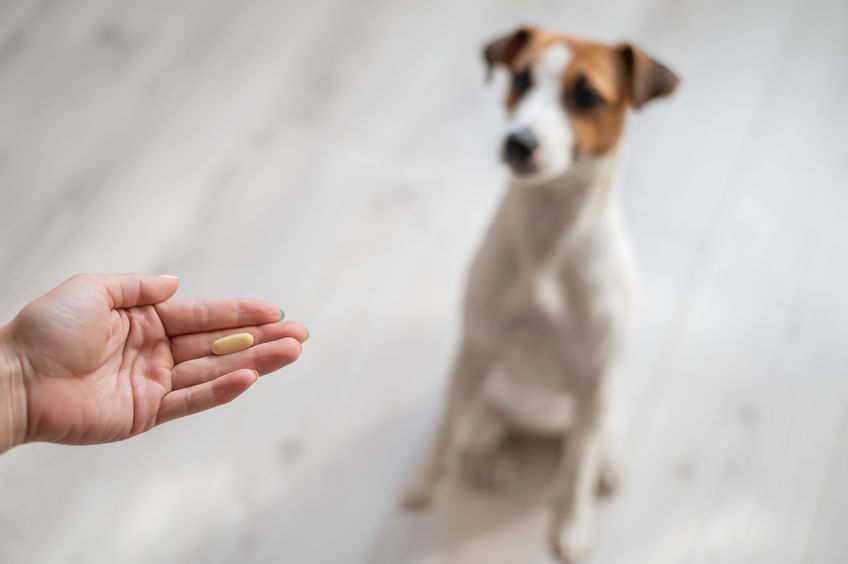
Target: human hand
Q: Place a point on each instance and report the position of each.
(103, 358)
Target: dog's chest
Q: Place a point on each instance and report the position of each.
(582, 303)
(561, 269)
(566, 305)
(545, 287)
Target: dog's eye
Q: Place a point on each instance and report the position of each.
(584, 97)
(522, 81)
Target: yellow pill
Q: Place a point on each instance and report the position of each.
(232, 343)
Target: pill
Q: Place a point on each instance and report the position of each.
(232, 343)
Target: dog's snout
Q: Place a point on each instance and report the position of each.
(520, 145)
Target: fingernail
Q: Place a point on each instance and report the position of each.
(282, 314)
(307, 333)
(169, 276)
(257, 374)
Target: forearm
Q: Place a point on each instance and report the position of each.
(12, 394)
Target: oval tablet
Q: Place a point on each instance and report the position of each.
(232, 343)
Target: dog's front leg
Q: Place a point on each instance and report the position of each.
(468, 374)
(575, 483)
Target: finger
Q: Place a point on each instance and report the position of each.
(196, 316)
(263, 358)
(132, 290)
(197, 345)
(179, 403)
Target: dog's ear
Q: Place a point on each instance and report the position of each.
(504, 49)
(646, 78)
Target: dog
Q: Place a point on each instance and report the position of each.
(549, 294)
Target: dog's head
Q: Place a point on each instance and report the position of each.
(568, 98)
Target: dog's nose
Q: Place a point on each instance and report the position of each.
(520, 146)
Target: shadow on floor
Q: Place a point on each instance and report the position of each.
(464, 522)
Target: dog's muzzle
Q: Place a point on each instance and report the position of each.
(518, 149)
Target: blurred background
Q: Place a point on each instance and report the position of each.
(338, 157)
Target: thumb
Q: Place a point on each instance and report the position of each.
(131, 290)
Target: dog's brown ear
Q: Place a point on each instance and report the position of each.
(646, 78)
(504, 50)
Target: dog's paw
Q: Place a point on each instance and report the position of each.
(493, 471)
(571, 543)
(609, 479)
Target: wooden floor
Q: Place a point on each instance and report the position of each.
(337, 157)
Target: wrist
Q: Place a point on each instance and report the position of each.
(13, 406)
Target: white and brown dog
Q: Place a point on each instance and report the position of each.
(549, 293)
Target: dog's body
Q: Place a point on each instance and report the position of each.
(549, 293)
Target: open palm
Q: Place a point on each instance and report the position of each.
(104, 358)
